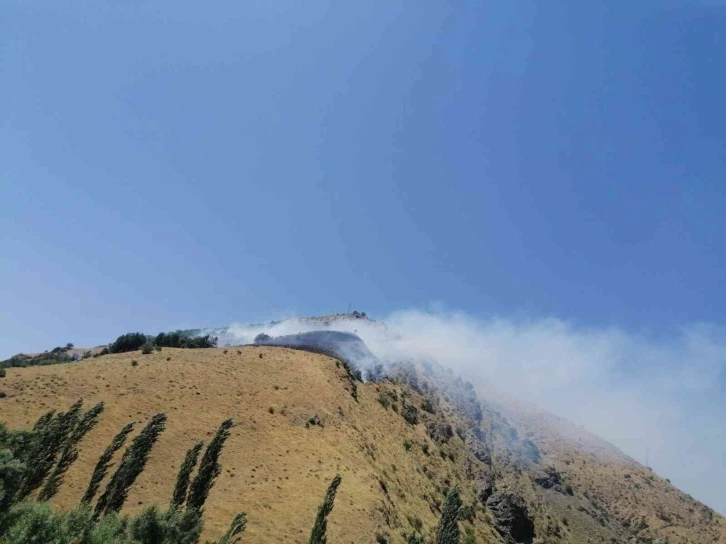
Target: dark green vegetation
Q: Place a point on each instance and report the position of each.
(138, 341)
(38, 459)
(55, 356)
(179, 496)
(319, 532)
(132, 341)
(209, 468)
(447, 531)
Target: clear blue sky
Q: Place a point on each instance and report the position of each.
(167, 164)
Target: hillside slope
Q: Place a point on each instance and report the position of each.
(301, 420)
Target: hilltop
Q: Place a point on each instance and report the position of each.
(400, 443)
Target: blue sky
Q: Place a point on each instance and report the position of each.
(548, 177)
(169, 164)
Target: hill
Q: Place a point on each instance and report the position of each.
(400, 444)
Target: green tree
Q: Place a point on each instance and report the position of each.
(132, 464)
(128, 342)
(11, 476)
(69, 454)
(239, 524)
(49, 433)
(447, 532)
(209, 468)
(104, 462)
(319, 532)
(179, 496)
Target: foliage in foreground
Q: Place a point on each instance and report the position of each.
(319, 532)
(447, 531)
(28, 459)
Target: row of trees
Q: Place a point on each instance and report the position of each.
(136, 340)
(35, 462)
(126, 342)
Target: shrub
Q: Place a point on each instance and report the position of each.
(384, 398)
(430, 404)
(147, 348)
(152, 526)
(157, 348)
(262, 337)
(134, 363)
(2, 372)
(168, 358)
(440, 431)
(410, 414)
(11, 476)
(425, 448)
(416, 523)
(467, 513)
(407, 445)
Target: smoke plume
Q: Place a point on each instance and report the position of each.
(662, 396)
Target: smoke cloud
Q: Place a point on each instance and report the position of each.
(665, 396)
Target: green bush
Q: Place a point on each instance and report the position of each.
(147, 348)
(430, 404)
(410, 414)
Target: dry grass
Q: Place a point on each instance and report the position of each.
(606, 479)
(274, 467)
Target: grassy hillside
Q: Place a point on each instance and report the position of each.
(610, 489)
(300, 420)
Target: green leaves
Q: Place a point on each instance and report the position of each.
(447, 532)
(179, 496)
(209, 468)
(104, 462)
(319, 532)
(132, 464)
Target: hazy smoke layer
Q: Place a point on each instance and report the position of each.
(662, 396)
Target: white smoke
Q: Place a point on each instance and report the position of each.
(641, 394)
